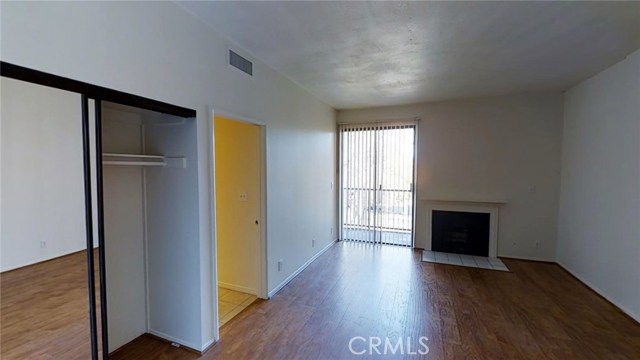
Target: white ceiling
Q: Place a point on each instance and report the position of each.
(363, 54)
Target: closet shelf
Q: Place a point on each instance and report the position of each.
(133, 160)
(178, 162)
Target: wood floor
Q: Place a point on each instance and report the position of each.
(537, 311)
(44, 310)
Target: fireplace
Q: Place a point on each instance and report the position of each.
(462, 226)
(460, 232)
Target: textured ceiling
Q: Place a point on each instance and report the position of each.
(363, 54)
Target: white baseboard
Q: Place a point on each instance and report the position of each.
(45, 258)
(600, 292)
(527, 258)
(175, 340)
(207, 345)
(233, 287)
(300, 269)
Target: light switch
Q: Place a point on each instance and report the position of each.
(242, 196)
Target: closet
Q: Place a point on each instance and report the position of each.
(135, 189)
(150, 203)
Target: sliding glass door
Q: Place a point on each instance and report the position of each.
(377, 183)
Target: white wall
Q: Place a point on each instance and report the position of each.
(489, 149)
(124, 221)
(159, 51)
(599, 232)
(42, 174)
(172, 222)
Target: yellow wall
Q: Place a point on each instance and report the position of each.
(237, 170)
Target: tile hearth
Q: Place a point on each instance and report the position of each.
(481, 262)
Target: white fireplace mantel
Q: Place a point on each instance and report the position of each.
(479, 206)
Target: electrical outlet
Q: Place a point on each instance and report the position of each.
(242, 196)
(280, 264)
(313, 242)
(43, 244)
(331, 230)
(532, 189)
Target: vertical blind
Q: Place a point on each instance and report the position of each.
(377, 175)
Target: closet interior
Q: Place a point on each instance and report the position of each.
(150, 204)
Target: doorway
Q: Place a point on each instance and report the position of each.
(377, 183)
(239, 210)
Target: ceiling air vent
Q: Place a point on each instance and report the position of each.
(240, 63)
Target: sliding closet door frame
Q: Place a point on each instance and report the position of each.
(100, 218)
(86, 156)
(99, 94)
(92, 91)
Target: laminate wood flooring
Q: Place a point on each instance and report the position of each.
(44, 310)
(536, 311)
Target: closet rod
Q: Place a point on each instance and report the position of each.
(133, 160)
(133, 156)
(134, 163)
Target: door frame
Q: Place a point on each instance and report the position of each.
(413, 122)
(262, 290)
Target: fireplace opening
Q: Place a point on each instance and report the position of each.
(460, 232)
